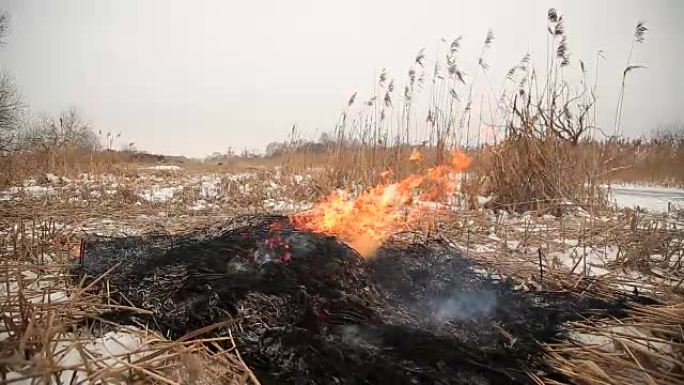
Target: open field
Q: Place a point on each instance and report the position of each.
(615, 252)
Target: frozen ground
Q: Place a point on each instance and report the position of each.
(616, 252)
(654, 199)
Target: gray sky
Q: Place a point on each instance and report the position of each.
(193, 77)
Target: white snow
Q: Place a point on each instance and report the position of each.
(165, 168)
(602, 342)
(52, 178)
(37, 289)
(160, 194)
(210, 188)
(286, 205)
(654, 199)
(595, 259)
(614, 338)
(239, 177)
(201, 205)
(108, 351)
(33, 191)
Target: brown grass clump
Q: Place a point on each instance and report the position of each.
(70, 161)
(658, 161)
(529, 173)
(348, 165)
(644, 348)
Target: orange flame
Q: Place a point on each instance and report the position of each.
(365, 221)
(416, 156)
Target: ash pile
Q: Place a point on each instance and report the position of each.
(310, 310)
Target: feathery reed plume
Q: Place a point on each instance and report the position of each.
(388, 99)
(483, 64)
(639, 37)
(452, 67)
(562, 52)
(455, 45)
(489, 39)
(388, 94)
(383, 77)
(559, 29)
(420, 58)
(640, 32)
(524, 61)
(487, 44)
(454, 94)
(552, 15)
(352, 99)
(511, 73)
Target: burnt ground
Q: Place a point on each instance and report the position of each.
(312, 311)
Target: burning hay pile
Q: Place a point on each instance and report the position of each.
(310, 310)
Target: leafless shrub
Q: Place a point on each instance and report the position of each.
(68, 130)
(126, 194)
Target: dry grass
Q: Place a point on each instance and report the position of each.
(647, 347)
(528, 173)
(656, 162)
(40, 231)
(17, 166)
(537, 168)
(55, 333)
(647, 251)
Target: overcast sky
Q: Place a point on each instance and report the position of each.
(193, 77)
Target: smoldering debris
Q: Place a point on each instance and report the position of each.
(310, 310)
(464, 305)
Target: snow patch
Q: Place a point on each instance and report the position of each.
(165, 168)
(653, 199)
(286, 205)
(160, 194)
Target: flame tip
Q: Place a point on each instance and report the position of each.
(367, 220)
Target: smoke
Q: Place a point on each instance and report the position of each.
(464, 305)
(355, 336)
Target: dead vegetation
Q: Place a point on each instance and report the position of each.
(54, 333)
(538, 156)
(601, 251)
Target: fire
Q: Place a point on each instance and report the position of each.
(416, 156)
(366, 220)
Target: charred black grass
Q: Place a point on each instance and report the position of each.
(324, 314)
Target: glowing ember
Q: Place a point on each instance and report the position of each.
(368, 219)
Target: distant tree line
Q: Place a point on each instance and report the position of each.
(21, 130)
(324, 143)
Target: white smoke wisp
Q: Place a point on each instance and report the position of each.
(464, 305)
(355, 336)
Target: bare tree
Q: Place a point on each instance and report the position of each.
(672, 132)
(70, 129)
(10, 101)
(67, 130)
(10, 111)
(5, 20)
